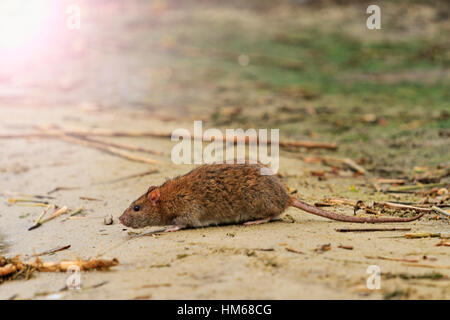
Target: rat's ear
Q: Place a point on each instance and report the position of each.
(153, 196)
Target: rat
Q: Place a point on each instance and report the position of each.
(218, 194)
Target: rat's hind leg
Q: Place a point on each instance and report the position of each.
(272, 213)
(261, 221)
(173, 228)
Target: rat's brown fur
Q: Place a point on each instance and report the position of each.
(222, 194)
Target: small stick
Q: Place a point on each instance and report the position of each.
(441, 211)
(89, 198)
(352, 164)
(62, 188)
(57, 249)
(38, 222)
(32, 204)
(290, 249)
(347, 161)
(444, 243)
(27, 135)
(391, 181)
(402, 206)
(361, 205)
(393, 259)
(354, 203)
(137, 175)
(55, 214)
(35, 196)
(79, 210)
(426, 266)
(372, 229)
(375, 184)
(121, 146)
(16, 200)
(329, 202)
(149, 233)
(403, 202)
(415, 187)
(345, 247)
(108, 149)
(422, 235)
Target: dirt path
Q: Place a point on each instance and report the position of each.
(219, 262)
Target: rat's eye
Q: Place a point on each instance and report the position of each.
(137, 208)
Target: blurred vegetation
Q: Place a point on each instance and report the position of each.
(315, 71)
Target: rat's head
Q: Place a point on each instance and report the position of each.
(144, 211)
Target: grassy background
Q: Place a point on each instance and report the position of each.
(315, 70)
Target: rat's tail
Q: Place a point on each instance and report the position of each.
(339, 217)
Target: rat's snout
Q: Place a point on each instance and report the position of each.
(125, 219)
(131, 219)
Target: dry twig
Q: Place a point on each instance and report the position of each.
(372, 229)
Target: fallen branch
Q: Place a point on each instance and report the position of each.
(234, 139)
(15, 268)
(83, 133)
(79, 138)
(84, 265)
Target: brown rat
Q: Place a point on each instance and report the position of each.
(217, 194)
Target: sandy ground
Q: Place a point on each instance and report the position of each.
(210, 263)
